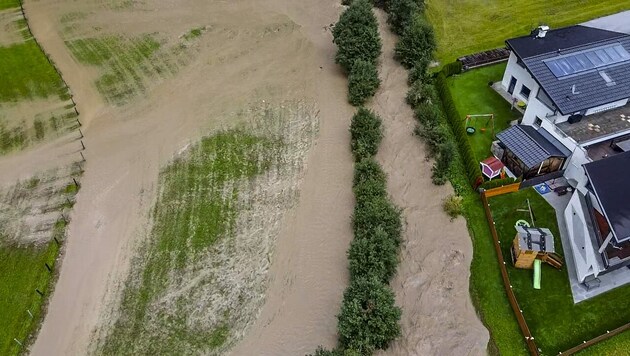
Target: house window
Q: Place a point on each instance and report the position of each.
(525, 91)
(538, 122)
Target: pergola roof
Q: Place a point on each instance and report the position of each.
(532, 146)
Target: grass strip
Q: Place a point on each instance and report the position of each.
(196, 207)
(26, 73)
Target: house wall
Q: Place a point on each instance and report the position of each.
(583, 250)
(522, 76)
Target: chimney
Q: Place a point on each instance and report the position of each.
(541, 31)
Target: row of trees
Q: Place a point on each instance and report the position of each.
(358, 48)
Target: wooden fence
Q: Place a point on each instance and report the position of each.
(510, 188)
(529, 339)
(595, 340)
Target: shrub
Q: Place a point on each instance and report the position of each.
(443, 162)
(370, 189)
(365, 133)
(369, 318)
(368, 169)
(356, 35)
(453, 205)
(418, 71)
(401, 13)
(420, 92)
(416, 44)
(375, 255)
(434, 137)
(362, 82)
(374, 213)
(427, 114)
(452, 68)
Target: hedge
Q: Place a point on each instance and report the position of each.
(369, 317)
(471, 165)
(363, 81)
(452, 68)
(365, 134)
(356, 35)
(495, 183)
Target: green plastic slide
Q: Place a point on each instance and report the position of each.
(537, 266)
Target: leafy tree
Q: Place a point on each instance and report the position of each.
(416, 44)
(356, 35)
(365, 133)
(374, 255)
(362, 82)
(369, 318)
(401, 13)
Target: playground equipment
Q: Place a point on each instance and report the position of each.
(537, 268)
(521, 223)
(492, 167)
(532, 244)
(471, 129)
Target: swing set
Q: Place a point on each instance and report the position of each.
(470, 123)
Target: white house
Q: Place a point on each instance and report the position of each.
(575, 82)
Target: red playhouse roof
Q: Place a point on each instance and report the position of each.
(493, 163)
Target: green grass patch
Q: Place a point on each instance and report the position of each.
(26, 73)
(473, 95)
(22, 270)
(197, 206)
(467, 26)
(9, 4)
(193, 33)
(555, 322)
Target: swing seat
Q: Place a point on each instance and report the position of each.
(470, 130)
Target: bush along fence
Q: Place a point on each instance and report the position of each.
(358, 48)
(369, 319)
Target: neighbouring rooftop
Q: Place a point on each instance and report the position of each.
(578, 67)
(609, 180)
(593, 127)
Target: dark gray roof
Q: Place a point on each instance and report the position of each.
(609, 179)
(582, 91)
(559, 39)
(532, 146)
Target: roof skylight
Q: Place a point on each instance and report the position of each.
(583, 61)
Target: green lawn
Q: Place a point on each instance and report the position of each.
(197, 205)
(8, 4)
(473, 95)
(22, 270)
(555, 322)
(467, 26)
(26, 73)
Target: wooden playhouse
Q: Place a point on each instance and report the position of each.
(533, 243)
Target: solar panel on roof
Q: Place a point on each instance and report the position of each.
(580, 62)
